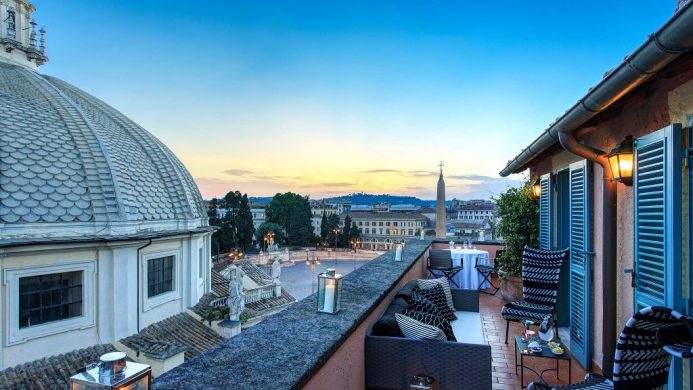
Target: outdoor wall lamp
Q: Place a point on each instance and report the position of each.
(621, 161)
(536, 189)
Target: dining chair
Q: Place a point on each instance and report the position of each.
(487, 271)
(440, 260)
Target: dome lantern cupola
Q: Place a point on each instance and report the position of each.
(18, 35)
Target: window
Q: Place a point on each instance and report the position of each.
(160, 275)
(387, 223)
(411, 232)
(50, 297)
(368, 231)
(394, 223)
(380, 224)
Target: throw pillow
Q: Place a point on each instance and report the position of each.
(437, 297)
(387, 324)
(423, 304)
(434, 320)
(443, 282)
(414, 329)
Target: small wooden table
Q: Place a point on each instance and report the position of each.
(522, 350)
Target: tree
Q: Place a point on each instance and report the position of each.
(292, 212)
(332, 225)
(268, 227)
(324, 229)
(518, 223)
(236, 227)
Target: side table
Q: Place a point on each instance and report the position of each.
(522, 350)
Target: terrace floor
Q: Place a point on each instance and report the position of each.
(503, 355)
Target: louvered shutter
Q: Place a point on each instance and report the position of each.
(580, 261)
(545, 211)
(657, 219)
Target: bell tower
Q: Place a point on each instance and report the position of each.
(20, 42)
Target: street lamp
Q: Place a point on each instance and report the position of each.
(312, 261)
(268, 237)
(336, 233)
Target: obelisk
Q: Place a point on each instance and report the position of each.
(440, 205)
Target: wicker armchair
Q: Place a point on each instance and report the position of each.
(643, 353)
(540, 274)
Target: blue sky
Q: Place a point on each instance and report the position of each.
(326, 98)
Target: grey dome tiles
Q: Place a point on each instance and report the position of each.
(65, 156)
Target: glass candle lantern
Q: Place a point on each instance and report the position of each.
(398, 248)
(134, 376)
(329, 291)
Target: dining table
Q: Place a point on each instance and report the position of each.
(469, 277)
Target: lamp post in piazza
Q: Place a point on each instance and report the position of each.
(312, 260)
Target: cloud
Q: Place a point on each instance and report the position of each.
(238, 172)
(403, 173)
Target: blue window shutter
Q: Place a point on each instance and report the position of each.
(545, 213)
(580, 232)
(657, 219)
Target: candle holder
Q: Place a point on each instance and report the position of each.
(329, 292)
(398, 248)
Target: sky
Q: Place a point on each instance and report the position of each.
(325, 98)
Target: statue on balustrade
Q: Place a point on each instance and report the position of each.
(236, 300)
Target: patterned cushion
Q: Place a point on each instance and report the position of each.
(414, 329)
(437, 296)
(521, 310)
(443, 282)
(540, 273)
(423, 304)
(434, 320)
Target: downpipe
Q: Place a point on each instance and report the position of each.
(608, 249)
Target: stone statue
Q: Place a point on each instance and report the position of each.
(276, 269)
(236, 300)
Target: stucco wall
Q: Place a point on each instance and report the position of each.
(665, 99)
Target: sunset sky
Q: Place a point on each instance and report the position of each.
(326, 98)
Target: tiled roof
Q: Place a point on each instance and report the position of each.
(52, 372)
(250, 269)
(220, 285)
(66, 156)
(181, 332)
(257, 308)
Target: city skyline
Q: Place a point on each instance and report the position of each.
(328, 99)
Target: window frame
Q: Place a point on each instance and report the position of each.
(149, 303)
(17, 335)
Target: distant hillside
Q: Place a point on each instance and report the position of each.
(369, 199)
(361, 198)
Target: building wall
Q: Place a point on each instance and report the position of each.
(113, 303)
(666, 99)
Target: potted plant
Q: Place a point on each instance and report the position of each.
(518, 224)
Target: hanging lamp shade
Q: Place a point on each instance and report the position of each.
(621, 161)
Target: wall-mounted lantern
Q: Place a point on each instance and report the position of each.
(621, 161)
(536, 189)
(329, 292)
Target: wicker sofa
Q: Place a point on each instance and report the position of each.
(392, 359)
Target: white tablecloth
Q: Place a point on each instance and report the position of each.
(469, 277)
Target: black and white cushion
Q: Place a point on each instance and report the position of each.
(414, 329)
(434, 320)
(423, 304)
(443, 282)
(437, 296)
(523, 310)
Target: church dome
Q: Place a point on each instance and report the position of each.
(70, 163)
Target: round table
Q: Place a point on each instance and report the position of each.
(469, 277)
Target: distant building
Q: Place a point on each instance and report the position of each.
(477, 212)
(361, 207)
(379, 230)
(404, 207)
(317, 211)
(259, 216)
